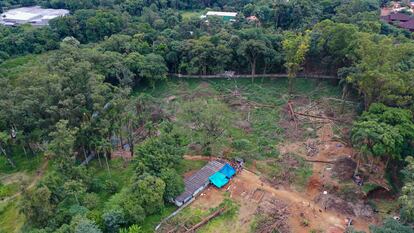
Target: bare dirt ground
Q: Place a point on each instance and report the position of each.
(245, 188)
(306, 210)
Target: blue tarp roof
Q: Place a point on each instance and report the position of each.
(228, 171)
(218, 179)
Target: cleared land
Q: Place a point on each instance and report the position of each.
(295, 151)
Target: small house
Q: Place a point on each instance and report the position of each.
(198, 182)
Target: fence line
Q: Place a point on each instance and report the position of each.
(302, 75)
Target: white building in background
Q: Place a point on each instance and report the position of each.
(34, 15)
(226, 16)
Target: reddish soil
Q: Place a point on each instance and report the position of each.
(248, 190)
(126, 155)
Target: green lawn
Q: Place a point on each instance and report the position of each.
(190, 14)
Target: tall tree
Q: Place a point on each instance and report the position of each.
(295, 46)
(252, 50)
(383, 71)
(36, 206)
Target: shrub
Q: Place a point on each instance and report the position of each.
(241, 144)
(90, 200)
(111, 186)
(113, 220)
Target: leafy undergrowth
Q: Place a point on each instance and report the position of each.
(23, 162)
(386, 208)
(112, 179)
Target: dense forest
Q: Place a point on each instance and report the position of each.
(70, 89)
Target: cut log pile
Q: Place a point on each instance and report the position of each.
(274, 216)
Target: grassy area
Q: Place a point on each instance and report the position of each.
(264, 134)
(186, 15)
(8, 189)
(187, 166)
(11, 221)
(192, 215)
(152, 221)
(24, 65)
(289, 169)
(110, 181)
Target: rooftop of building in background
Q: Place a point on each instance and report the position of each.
(34, 15)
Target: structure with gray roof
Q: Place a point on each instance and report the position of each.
(198, 182)
(34, 15)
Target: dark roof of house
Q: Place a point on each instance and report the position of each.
(408, 25)
(199, 179)
(399, 17)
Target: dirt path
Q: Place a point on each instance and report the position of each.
(302, 205)
(39, 174)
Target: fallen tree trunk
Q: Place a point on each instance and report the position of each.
(319, 161)
(206, 220)
(319, 117)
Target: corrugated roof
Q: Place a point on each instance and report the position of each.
(29, 14)
(221, 13)
(399, 17)
(408, 25)
(199, 179)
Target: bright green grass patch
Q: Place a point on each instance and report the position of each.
(15, 62)
(368, 187)
(8, 190)
(186, 15)
(29, 65)
(190, 216)
(190, 165)
(152, 221)
(10, 219)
